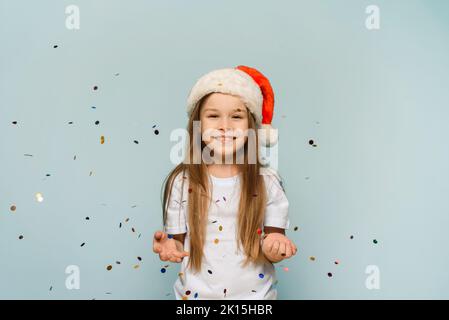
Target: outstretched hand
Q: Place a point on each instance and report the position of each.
(277, 247)
(168, 249)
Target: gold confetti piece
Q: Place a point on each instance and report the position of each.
(185, 298)
(102, 139)
(13, 208)
(90, 174)
(39, 197)
(312, 258)
(109, 268)
(220, 228)
(180, 274)
(136, 266)
(216, 241)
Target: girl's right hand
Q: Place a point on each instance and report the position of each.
(168, 249)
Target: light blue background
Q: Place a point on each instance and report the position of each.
(375, 102)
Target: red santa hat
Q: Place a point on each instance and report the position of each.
(251, 86)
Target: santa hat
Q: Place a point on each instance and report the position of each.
(250, 85)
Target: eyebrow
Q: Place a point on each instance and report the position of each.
(235, 110)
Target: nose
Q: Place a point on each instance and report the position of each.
(224, 124)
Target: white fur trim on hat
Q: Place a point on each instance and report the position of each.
(229, 81)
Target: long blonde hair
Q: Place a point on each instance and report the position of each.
(251, 206)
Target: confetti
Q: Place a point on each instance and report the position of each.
(224, 291)
(136, 142)
(259, 231)
(329, 274)
(136, 266)
(312, 143)
(170, 236)
(312, 258)
(70, 122)
(20, 237)
(95, 87)
(375, 241)
(82, 244)
(180, 274)
(261, 275)
(39, 197)
(210, 272)
(120, 225)
(337, 262)
(139, 258)
(214, 221)
(13, 208)
(220, 228)
(351, 237)
(28, 155)
(102, 139)
(118, 262)
(163, 270)
(47, 174)
(188, 293)
(133, 230)
(127, 219)
(74, 157)
(51, 288)
(97, 122)
(253, 291)
(156, 132)
(14, 122)
(55, 46)
(94, 107)
(196, 295)
(224, 198)
(296, 229)
(109, 268)
(216, 241)
(87, 218)
(185, 298)
(286, 269)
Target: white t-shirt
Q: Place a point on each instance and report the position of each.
(221, 275)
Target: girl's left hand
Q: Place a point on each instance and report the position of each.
(277, 247)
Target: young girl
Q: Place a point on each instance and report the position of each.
(214, 212)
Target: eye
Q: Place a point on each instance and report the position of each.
(237, 117)
(212, 116)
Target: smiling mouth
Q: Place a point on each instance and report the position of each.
(225, 139)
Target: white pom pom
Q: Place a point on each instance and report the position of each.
(268, 136)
